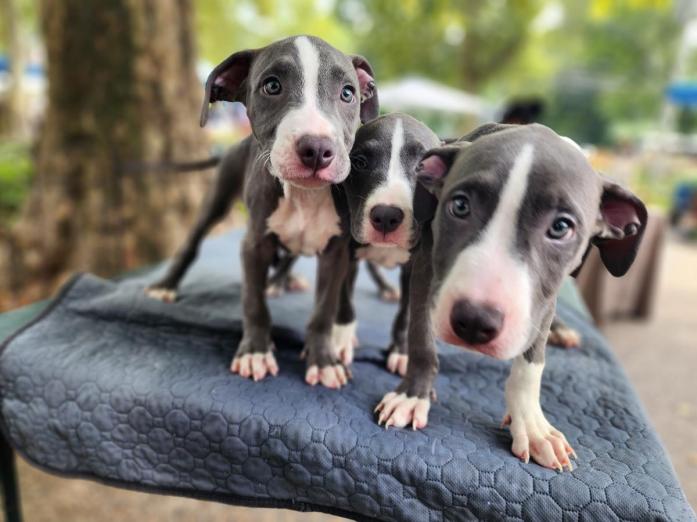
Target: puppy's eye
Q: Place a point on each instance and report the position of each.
(347, 93)
(272, 86)
(460, 206)
(359, 162)
(562, 228)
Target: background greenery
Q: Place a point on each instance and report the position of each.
(600, 66)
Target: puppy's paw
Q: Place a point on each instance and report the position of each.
(333, 376)
(344, 341)
(397, 362)
(399, 410)
(274, 290)
(166, 295)
(254, 365)
(562, 335)
(297, 283)
(534, 437)
(390, 295)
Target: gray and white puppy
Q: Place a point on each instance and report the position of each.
(379, 194)
(509, 211)
(305, 100)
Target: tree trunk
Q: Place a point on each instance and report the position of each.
(12, 122)
(122, 88)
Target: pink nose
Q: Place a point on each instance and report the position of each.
(315, 152)
(475, 324)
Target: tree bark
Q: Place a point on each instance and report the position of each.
(12, 122)
(122, 88)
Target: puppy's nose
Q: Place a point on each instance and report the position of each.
(386, 218)
(475, 324)
(315, 152)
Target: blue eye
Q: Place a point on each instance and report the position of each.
(460, 206)
(347, 93)
(561, 228)
(272, 86)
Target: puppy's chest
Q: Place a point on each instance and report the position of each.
(305, 220)
(384, 256)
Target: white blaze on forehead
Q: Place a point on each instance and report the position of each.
(503, 223)
(309, 62)
(489, 270)
(395, 169)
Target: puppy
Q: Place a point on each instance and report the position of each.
(505, 214)
(305, 100)
(379, 194)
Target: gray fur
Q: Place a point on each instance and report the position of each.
(246, 171)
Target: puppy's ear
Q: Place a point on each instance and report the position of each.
(430, 176)
(620, 228)
(368, 95)
(227, 82)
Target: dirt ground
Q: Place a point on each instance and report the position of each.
(660, 357)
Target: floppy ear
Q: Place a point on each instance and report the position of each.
(227, 82)
(370, 106)
(430, 176)
(620, 227)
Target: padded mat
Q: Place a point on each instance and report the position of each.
(110, 385)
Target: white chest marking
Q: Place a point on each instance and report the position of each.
(305, 220)
(389, 257)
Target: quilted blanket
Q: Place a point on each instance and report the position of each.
(110, 385)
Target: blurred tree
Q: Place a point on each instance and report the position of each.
(11, 107)
(122, 88)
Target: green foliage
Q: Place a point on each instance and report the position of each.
(224, 27)
(16, 171)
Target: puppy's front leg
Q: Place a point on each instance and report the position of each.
(397, 357)
(411, 401)
(533, 436)
(344, 338)
(254, 357)
(323, 364)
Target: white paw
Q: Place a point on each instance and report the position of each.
(344, 341)
(390, 295)
(255, 365)
(297, 283)
(162, 294)
(333, 377)
(564, 336)
(273, 291)
(397, 363)
(534, 437)
(396, 409)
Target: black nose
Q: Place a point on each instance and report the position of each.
(315, 152)
(386, 218)
(475, 324)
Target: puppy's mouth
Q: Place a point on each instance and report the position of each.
(396, 239)
(311, 182)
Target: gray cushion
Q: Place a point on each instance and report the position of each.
(110, 385)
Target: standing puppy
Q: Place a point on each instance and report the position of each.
(380, 193)
(508, 213)
(305, 101)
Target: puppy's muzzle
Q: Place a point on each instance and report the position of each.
(475, 324)
(386, 218)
